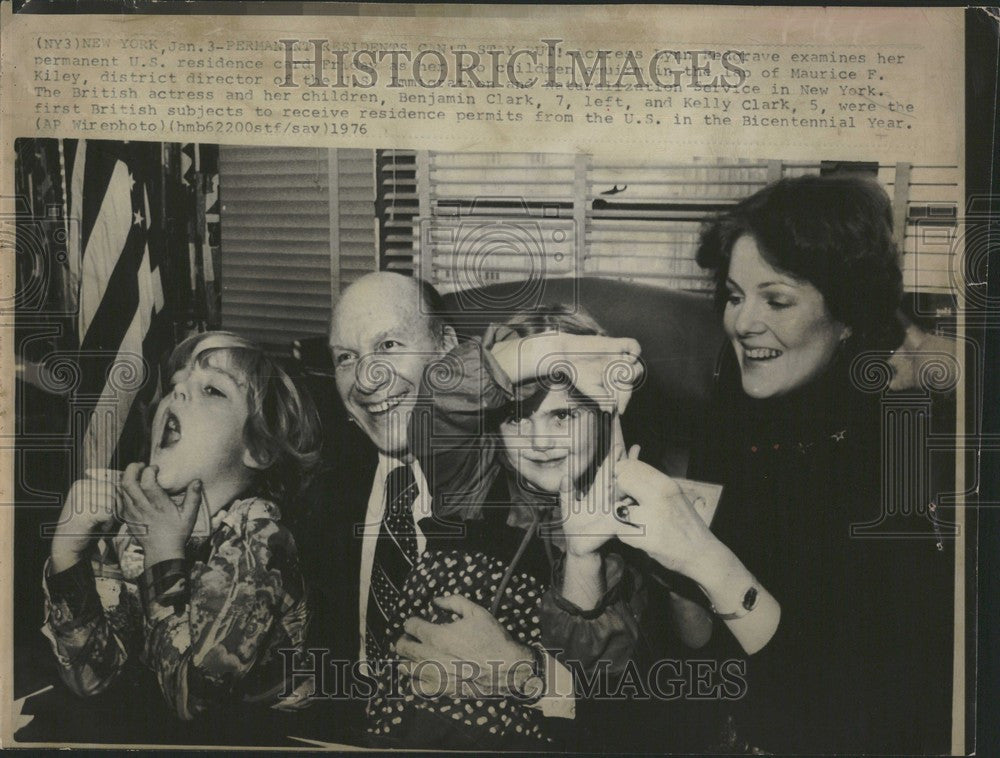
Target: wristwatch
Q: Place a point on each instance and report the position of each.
(748, 603)
(530, 691)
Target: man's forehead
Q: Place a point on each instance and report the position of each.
(361, 320)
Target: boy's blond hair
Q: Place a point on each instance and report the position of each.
(282, 430)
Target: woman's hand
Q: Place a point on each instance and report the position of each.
(664, 524)
(159, 525)
(668, 528)
(92, 506)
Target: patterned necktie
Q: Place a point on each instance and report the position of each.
(395, 555)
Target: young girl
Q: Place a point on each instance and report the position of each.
(511, 439)
(201, 582)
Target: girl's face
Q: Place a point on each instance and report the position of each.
(781, 330)
(198, 426)
(556, 441)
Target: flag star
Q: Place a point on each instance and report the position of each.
(131, 181)
(137, 218)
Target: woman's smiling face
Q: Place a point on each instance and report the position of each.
(779, 325)
(556, 441)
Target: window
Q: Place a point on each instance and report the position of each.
(298, 225)
(463, 220)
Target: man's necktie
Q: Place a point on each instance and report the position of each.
(395, 555)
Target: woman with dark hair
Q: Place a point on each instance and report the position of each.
(808, 280)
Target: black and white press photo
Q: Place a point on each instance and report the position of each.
(354, 449)
(458, 379)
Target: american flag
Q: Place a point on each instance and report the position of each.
(116, 274)
(199, 170)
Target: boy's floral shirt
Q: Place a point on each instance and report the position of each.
(209, 626)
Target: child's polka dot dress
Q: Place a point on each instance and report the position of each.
(400, 718)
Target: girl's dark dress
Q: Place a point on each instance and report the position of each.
(862, 658)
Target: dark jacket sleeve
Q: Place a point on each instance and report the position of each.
(464, 397)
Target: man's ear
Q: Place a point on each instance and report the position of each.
(845, 334)
(449, 339)
(250, 461)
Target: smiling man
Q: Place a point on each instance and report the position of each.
(385, 331)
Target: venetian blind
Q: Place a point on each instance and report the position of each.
(643, 218)
(494, 217)
(397, 207)
(468, 219)
(298, 225)
(355, 237)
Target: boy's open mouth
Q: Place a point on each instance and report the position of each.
(171, 431)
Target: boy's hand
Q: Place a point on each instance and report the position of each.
(919, 351)
(158, 524)
(92, 506)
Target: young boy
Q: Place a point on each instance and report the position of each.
(202, 582)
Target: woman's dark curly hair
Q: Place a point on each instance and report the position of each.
(835, 233)
(282, 430)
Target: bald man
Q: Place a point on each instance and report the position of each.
(386, 329)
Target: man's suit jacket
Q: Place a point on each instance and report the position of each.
(323, 521)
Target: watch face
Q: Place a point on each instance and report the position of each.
(750, 599)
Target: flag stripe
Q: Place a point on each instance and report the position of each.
(101, 160)
(135, 434)
(120, 295)
(112, 321)
(76, 151)
(69, 149)
(115, 403)
(123, 326)
(108, 242)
